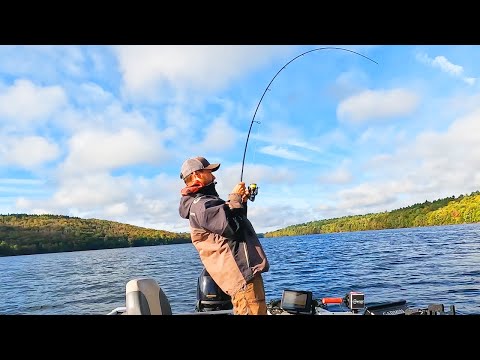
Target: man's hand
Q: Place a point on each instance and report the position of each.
(241, 190)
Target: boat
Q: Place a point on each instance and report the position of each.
(144, 296)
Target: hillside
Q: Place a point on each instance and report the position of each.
(22, 234)
(448, 211)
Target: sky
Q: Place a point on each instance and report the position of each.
(335, 130)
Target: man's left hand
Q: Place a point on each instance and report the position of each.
(241, 190)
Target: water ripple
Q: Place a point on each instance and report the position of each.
(422, 265)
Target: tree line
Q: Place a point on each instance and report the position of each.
(447, 211)
(22, 234)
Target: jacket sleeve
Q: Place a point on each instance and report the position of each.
(220, 217)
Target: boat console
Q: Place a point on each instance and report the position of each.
(145, 297)
(297, 302)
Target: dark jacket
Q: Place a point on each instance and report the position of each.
(224, 238)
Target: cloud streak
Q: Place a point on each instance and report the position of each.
(442, 63)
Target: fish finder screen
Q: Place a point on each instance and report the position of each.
(297, 301)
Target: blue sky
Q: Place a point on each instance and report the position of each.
(101, 131)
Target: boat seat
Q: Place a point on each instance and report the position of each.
(145, 297)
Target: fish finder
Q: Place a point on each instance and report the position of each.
(297, 302)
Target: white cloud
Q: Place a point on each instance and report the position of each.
(442, 63)
(372, 105)
(24, 101)
(101, 150)
(452, 159)
(115, 210)
(106, 134)
(91, 191)
(136, 201)
(368, 197)
(219, 136)
(22, 203)
(423, 168)
(110, 118)
(446, 66)
(27, 152)
(178, 118)
(201, 68)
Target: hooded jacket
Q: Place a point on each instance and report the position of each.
(225, 239)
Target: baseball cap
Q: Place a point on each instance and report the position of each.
(194, 164)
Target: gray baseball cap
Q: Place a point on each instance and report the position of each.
(194, 164)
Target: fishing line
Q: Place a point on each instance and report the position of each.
(271, 81)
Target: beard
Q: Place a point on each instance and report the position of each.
(209, 189)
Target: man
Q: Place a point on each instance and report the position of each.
(225, 239)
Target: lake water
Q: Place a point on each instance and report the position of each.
(438, 264)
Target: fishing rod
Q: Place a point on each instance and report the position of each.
(253, 189)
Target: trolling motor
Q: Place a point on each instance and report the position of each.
(252, 191)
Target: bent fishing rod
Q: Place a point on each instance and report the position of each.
(253, 189)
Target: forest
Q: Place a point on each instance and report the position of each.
(22, 234)
(447, 211)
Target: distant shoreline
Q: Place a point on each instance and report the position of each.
(23, 234)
